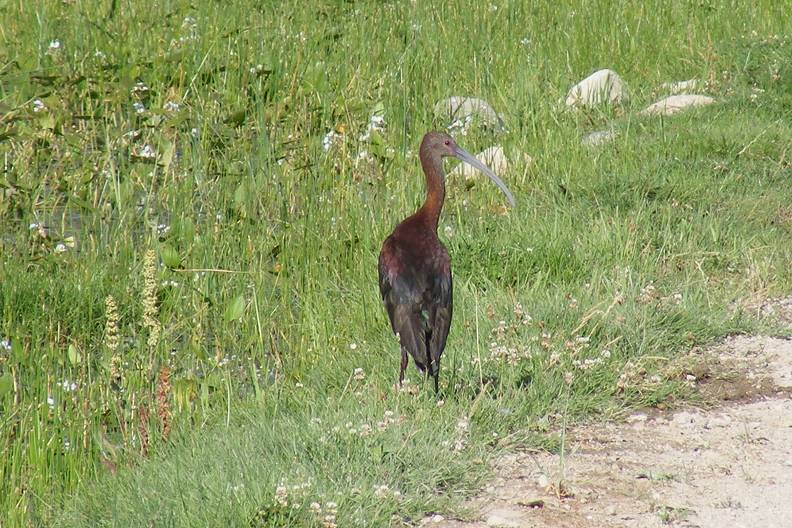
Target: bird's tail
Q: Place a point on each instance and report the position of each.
(411, 335)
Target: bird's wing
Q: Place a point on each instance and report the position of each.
(403, 294)
(440, 313)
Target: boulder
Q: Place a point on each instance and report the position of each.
(676, 103)
(603, 86)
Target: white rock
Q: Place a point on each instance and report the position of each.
(598, 138)
(603, 86)
(460, 110)
(437, 518)
(676, 103)
(680, 87)
(493, 157)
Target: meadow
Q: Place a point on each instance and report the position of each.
(192, 200)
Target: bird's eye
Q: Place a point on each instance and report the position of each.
(447, 142)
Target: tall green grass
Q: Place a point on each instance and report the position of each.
(627, 255)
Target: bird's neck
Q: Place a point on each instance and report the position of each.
(435, 190)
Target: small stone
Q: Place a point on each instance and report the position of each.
(602, 86)
(610, 510)
(542, 481)
(437, 518)
(676, 103)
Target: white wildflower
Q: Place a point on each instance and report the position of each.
(139, 89)
(381, 491)
(282, 495)
(147, 152)
(376, 124)
(330, 139)
(461, 125)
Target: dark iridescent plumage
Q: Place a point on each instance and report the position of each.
(415, 269)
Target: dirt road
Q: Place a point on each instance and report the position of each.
(729, 465)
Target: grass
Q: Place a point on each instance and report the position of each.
(229, 393)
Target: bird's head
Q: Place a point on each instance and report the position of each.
(436, 145)
(439, 143)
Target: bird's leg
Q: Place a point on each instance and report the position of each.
(403, 366)
(433, 370)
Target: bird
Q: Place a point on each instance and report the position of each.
(415, 279)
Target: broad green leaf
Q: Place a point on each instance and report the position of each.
(168, 151)
(235, 309)
(6, 384)
(170, 256)
(74, 355)
(17, 350)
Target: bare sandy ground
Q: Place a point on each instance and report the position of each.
(726, 466)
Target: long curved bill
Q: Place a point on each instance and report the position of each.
(474, 162)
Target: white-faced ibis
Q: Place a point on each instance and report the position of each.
(415, 269)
